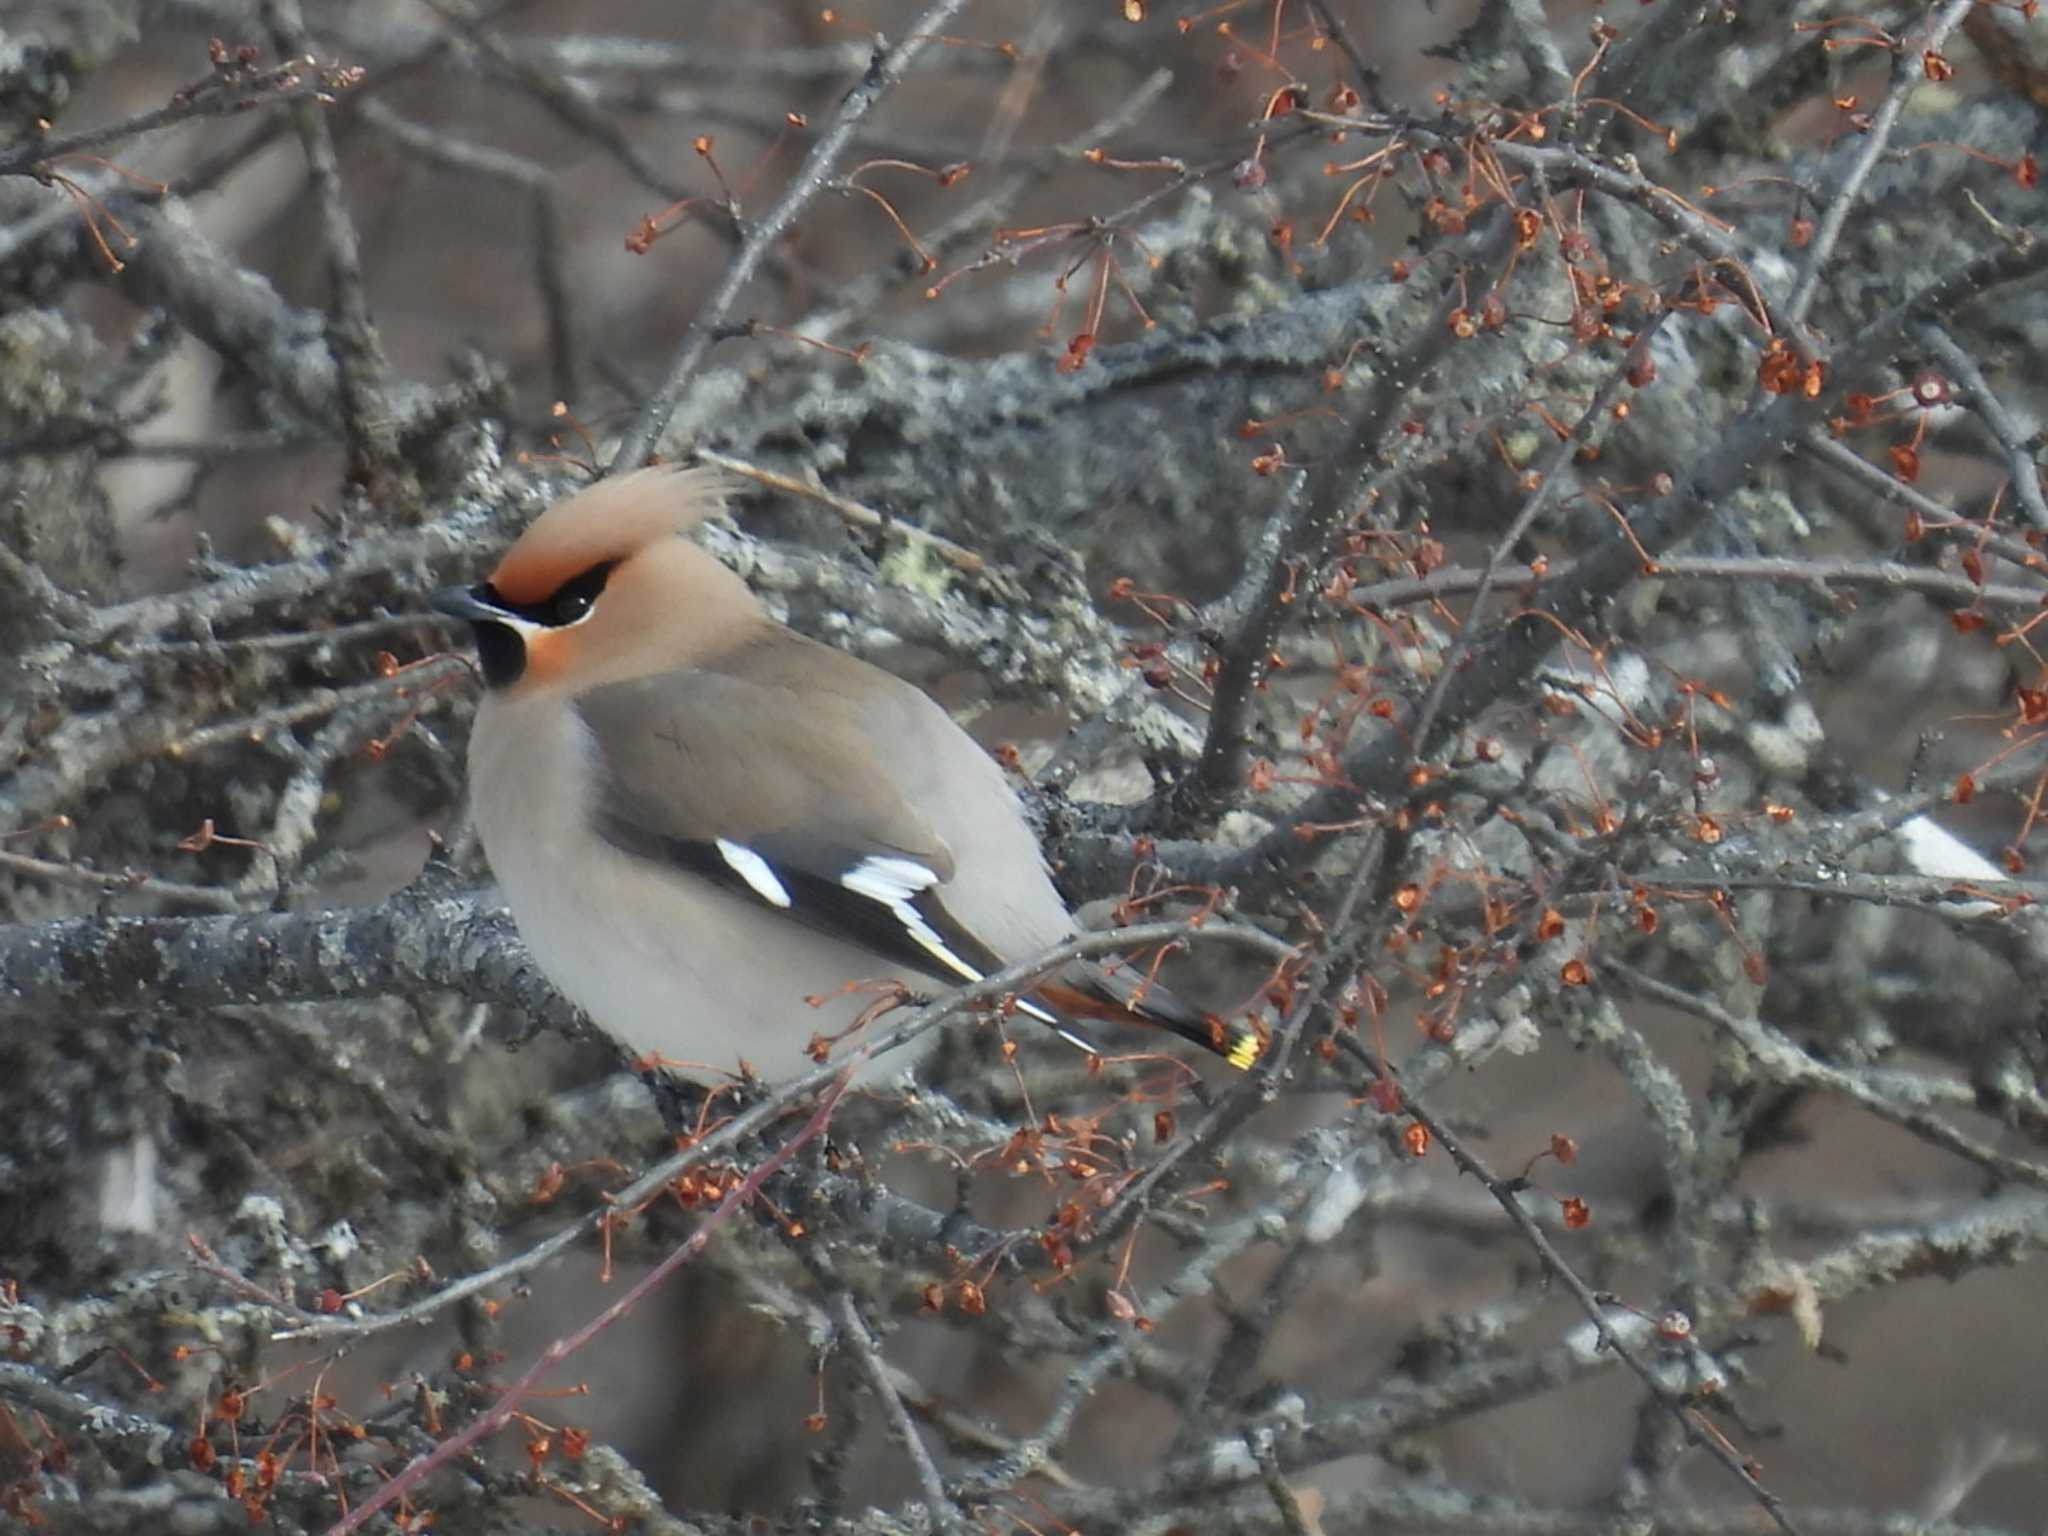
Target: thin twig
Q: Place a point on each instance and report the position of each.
(1783, 1062)
(846, 1313)
(439, 147)
(512, 1396)
(1293, 548)
(1979, 396)
(752, 1121)
(851, 512)
(360, 368)
(1820, 572)
(1285, 1502)
(1550, 480)
(1873, 144)
(885, 69)
(1507, 1195)
(1938, 518)
(233, 89)
(862, 293)
(127, 882)
(1368, 77)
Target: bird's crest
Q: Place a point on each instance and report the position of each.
(608, 521)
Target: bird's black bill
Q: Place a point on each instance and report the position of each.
(466, 603)
(500, 650)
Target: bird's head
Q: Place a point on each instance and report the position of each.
(601, 587)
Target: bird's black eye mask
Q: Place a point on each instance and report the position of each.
(566, 605)
(500, 647)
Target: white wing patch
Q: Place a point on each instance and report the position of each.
(753, 869)
(880, 877)
(894, 883)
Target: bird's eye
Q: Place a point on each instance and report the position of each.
(575, 598)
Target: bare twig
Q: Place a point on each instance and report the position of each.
(1285, 1501)
(509, 1399)
(752, 1121)
(846, 1313)
(885, 69)
(1507, 1194)
(122, 883)
(1979, 396)
(852, 513)
(1783, 1062)
(235, 87)
(1368, 77)
(358, 353)
(1870, 149)
(438, 147)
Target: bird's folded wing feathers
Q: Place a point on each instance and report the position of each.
(716, 775)
(717, 772)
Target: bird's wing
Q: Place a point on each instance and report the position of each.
(723, 775)
(720, 771)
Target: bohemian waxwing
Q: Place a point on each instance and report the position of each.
(701, 818)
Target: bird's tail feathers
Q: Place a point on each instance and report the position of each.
(1118, 997)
